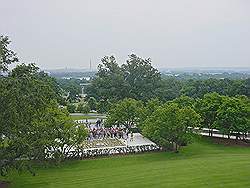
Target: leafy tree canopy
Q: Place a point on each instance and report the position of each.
(136, 79)
(125, 112)
(7, 56)
(233, 115)
(169, 125)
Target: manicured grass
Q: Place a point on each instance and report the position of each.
(201, 164)
(83, 117)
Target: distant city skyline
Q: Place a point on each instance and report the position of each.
(174, 34)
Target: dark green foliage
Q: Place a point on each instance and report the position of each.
(83, 108)
(147, 110)
(103, 106)
(230, 115)
(168, 125)
(109, 82)
(169, 89)
(184, 101)
(141, 78)
(71, 87)
(125, 112)
(233, 116)
(198, 88)
(92, 103)
(71, 108)
(29, 117)
(7, 56)
(208, 108)
(31, 121)
(136, 79)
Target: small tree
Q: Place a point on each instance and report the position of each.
(233, 116)
(66, 135)
(83, 108)
(208, 108)
(169, 126)
(125, 112)
(103, 106)
(71, 108)
(92, 103)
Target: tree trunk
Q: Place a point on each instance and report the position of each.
(175, 147)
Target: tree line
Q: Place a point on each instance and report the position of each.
(138, 79)
(164, 109)
(131, 94)
(171, 124)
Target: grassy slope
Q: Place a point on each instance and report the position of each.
(201, 164)
(83, 117)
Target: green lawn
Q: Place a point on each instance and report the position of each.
(83, 117)
(201, 164)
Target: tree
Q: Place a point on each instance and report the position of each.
(233, 116)
(32, 71)
(83, 108)
(29, 118)
(208, 108)
(169, 125)
(184, 101)
(71, 86)
(136, 79)
(66, 135)
(92, 103)
(109, 82)
(246, 88)
(141, 77)
(198, 88)
(147, 110)
(7, 56)
(71, 108)
(103, 106)
(169, 89)
(125, 113)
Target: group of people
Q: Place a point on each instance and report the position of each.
(101, 133)
(98, 131)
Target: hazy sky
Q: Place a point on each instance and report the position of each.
(174, 33)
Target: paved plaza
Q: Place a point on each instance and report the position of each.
(138, 140)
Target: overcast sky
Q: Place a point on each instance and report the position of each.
(174, 33)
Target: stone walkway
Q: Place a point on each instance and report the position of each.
(138, 140)
(222, 136)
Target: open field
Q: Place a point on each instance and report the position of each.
(201, 164)
(80, 116)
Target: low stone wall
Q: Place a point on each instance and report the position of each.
(95, 152)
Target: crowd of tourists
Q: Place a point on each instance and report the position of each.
(98, 131)
(112, 132)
